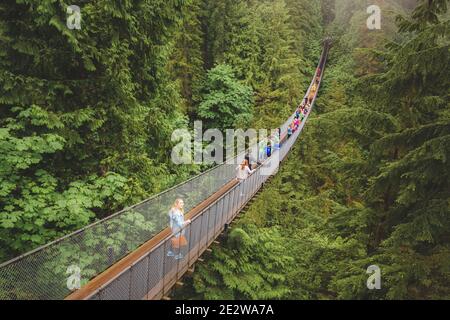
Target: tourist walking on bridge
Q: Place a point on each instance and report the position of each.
(289, 131)
(305, 103)
(243, 172)
(177, 224)
(296, 124)
(269, 149)
(312, 92)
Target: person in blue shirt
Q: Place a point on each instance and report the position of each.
(305, 103)
(289, 131)
(177, 224)
(269, 149)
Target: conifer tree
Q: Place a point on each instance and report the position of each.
(86, 115)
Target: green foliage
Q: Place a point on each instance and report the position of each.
(35, 206)
(86, 115)
(410, 191)
(226, 103)
(253, 266)
(280, 88)
(187, 60)
(368, 183)
(265, 42)
(86, 118)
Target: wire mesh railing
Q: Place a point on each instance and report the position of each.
(43, 273)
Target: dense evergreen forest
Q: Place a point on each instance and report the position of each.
(86, 120)
(368, 183)
(87, 116)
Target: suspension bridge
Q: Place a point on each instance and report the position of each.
(124, 257)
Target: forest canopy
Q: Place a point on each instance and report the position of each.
(86, 118)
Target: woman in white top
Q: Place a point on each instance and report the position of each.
(177, 224)
(243, 171)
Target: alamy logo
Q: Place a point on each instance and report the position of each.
(74, 280)
(209, 147)
(374, 281)
(74, 18)
(374, 21)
